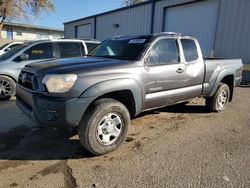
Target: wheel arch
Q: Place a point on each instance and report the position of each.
(123, 96)
(227, 76)
(10, 76)
(229, 80)
(125, 91)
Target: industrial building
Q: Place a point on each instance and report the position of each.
(23, 32)
(222, 26)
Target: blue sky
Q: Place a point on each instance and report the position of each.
(74, 9)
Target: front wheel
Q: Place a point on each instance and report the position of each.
(104, 127)
(220, 99)
(7, 88)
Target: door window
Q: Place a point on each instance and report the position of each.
(70, 49)
(164, 52)
(189, 49)
(40, 51)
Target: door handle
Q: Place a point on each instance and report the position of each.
(179, 71)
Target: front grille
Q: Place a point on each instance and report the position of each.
(28, 80)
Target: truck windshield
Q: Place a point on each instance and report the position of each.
(125, 49)
(14, 51)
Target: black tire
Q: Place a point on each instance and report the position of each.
(7, 87)
(215, 103)
(92, 130)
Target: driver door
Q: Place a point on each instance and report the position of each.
(163, 74)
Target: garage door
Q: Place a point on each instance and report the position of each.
(197, 19)
(83, 31)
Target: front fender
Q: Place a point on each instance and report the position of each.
(109, 86)
(222, 74)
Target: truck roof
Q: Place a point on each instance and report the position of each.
(170, 34)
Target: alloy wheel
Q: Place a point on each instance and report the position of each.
(109, 129)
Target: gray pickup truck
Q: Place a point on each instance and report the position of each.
(119, 79)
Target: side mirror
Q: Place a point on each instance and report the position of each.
(7, 49)
(23, 57)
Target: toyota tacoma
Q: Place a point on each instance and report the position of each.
(119, 79)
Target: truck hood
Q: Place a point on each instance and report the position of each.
(74, 64)
(4, 61)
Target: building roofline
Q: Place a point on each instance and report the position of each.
(64, 40)
(112, 11)
(32, 26)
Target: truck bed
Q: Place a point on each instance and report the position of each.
(215, 67)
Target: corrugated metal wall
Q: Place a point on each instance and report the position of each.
(70, 28)
(134, 21)
(233, 30)
(197, 19)
(159, 12)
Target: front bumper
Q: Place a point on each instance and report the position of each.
(54, 111)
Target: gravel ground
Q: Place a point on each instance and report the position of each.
(179, 146)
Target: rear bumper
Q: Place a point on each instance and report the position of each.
(54, 111)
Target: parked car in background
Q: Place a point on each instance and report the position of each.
(9, 46)
(123, 77)
(14, 60)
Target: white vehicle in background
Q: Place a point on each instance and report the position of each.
(7, 47)
(14, 60)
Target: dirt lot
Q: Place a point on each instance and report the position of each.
(180, 146)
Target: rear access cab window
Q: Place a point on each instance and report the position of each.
(190, 50)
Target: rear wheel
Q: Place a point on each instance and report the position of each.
(104, 127)
(7, 88)
(220, 99)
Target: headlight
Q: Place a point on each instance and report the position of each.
(59, 83)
